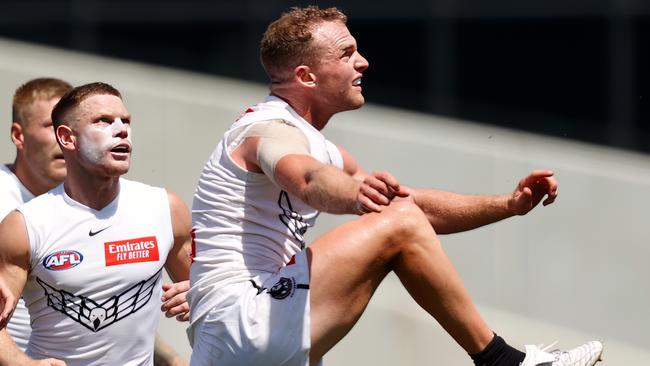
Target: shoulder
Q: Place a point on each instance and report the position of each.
(180, 213)
(10, 196)
(13, 234)
(5, 171)
(174, 199)
(276, 129)
(8, 180)
(45, 200)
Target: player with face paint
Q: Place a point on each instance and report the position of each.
(91, 272)
(101, 139)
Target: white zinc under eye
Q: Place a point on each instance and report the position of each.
(97, 140)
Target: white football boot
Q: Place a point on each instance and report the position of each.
(586, 355)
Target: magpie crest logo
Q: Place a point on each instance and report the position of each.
(96, 315)
(282, 289)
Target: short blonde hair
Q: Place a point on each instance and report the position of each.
(287, 42)
(33, 90)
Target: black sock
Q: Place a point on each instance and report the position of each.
(498, 353)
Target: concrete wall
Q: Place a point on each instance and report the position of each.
(570, 272)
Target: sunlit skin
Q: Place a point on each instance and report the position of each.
(333, 85)
(39, 161)
(98, 140)
(339, 72)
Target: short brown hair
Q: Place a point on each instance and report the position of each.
(33, 90)
(77, 95)
(287, 41)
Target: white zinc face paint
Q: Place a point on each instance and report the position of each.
(95, 141)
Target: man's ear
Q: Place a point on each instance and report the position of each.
(67, 140)
(304, 76)
(17, 135)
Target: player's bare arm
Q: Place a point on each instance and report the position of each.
(380, 187)
(178, 261)
(285, 160)
(12, 355)
(323, 187)
(452, 212)
(14, 264)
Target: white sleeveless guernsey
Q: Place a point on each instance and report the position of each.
(13, 194)
(94, 285)
(244, 225)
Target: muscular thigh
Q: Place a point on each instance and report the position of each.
(347, 266)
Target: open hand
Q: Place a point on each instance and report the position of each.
(531, 190)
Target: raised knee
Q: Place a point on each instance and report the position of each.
(406, 219)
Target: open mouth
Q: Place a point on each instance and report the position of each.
(121, 149)
(356, 82)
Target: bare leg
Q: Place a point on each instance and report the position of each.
(349, 263)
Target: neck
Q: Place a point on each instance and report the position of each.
(91, 190)
(29, 179)
(303, 105)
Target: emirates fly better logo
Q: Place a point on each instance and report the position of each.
(131, 251)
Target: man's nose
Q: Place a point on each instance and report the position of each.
(120, 128)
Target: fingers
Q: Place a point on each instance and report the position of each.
(173, 289)
(377, 190)
(175, 300)
(551, 190)
(51, 362)
(388, 180)
(183, 317)
(532, 189)
(7, 305)
(365, 205)
(181, 312)
(551, 195)
(540, 173)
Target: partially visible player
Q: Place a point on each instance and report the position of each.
(37, 168)
(89, 253)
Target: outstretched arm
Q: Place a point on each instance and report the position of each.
(451, 212)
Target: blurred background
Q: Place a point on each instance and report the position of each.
(572, 69)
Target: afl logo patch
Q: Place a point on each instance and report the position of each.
(63, 259)
(282, 288)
